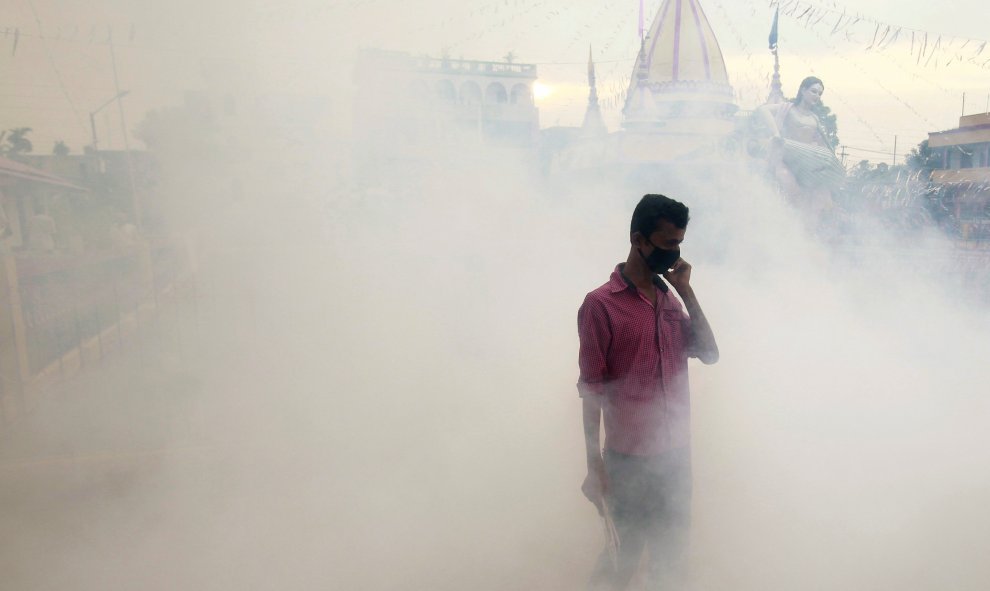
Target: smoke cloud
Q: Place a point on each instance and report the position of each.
(368, 381)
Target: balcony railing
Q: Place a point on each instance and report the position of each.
(475, 67)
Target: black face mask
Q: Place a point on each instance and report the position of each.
(660, 260)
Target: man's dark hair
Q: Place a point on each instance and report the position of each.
(653, 208)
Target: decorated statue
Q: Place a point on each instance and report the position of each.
(801, 158)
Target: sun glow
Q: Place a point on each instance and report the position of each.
(541, 90)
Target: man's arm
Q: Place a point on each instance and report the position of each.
(595, 484)
(595, 336)
(702, 338)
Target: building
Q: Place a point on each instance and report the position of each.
(404, 100)
(964, 176)
(679, 106)
(26, 192)
(680, 86)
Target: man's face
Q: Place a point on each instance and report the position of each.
(667, 236)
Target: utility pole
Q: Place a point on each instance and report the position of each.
(92, 114)
(895, 150)
(963, 114)
(843, 155)
(135, 201)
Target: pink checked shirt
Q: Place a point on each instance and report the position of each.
(634, 353)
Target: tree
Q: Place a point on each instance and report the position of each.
(177, 127)
(923, 160)
(861, 169)
(191, 157)
(16, 143)
(60, 149)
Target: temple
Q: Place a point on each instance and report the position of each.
(679, 82)
(679, 105)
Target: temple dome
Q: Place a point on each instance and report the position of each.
(680, 71)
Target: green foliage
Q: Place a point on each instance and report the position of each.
(880, 173)
(15, 143)
(176, 128)
(60, 149)
(861, 170)
(917, 168)
(923, 159)
(192, 155)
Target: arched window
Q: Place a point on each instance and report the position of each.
(418, 89)
(495, 94)
(470, 93)
(445, 90)
(521, 95)
(419, 93)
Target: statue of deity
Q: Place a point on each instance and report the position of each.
(801, 158)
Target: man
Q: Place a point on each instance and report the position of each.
(635, 342)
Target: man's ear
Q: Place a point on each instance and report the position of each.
(636, 239)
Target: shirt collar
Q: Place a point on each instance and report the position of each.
(619, 282)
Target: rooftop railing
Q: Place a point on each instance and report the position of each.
(474, 66)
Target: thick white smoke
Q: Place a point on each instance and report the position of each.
(373, 388)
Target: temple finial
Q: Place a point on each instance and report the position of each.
(594, 123)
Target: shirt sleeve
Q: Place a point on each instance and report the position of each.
(595, 334)
(690, 340)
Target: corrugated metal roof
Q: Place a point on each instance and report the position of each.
(18, 170)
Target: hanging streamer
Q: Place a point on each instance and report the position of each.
(935, 47)
(950, 50)
(874, 42)
(893, 39)
(884, 36)
(838, 22)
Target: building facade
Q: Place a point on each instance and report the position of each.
(414, 100)
(964, 176)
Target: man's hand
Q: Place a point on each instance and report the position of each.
(702, 339)
(595, 486)
(679, 276)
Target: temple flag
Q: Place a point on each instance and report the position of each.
(591, 68)
(773, 30)
(641, 23)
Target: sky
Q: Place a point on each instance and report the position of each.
(61, 68)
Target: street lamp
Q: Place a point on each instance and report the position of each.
(92, 114)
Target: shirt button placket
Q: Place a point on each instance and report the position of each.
(659, 326)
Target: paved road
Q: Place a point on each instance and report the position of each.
(74, 471)
(237, 446)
